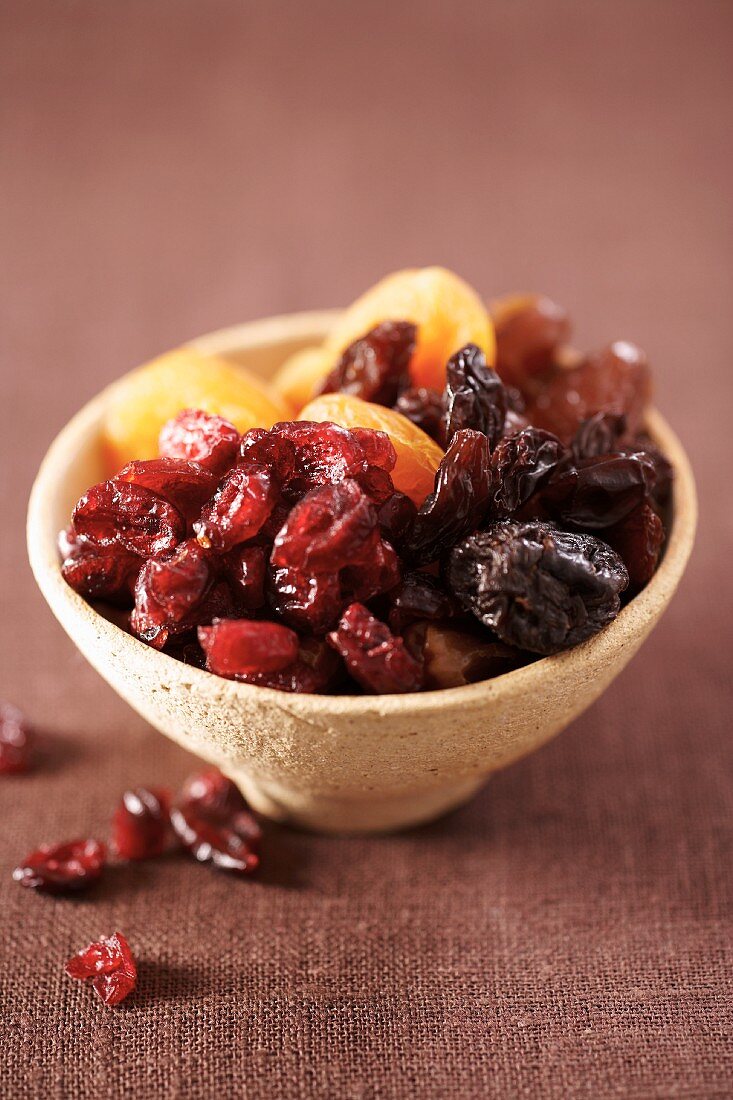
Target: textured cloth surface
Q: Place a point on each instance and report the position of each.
(169, 168)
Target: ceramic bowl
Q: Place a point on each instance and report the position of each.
(338, 763)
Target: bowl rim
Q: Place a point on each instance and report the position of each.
(311, 327)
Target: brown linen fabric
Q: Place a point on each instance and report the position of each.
(173, 167)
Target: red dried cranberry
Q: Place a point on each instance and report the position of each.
(168, 589)
(213, 793)
(100, 573)
(218, 843)
(376, 659)
(242, 504)
(425, 408)
(598, 492)
(202, 437)
(118, 513)
(377, 447)
(109, 964)
(16, 741)
(187, 485)
(62, 868)
(528, 332)
(376, 366)
(317, 669)
(376, 483)
(380, 572)
(474, 396)
(638, 538)
(396, 518)
(331, 527)
(240, 647)
(271, 449)
(141, 823)
(307, 602)
(246, 567)
(420, 596)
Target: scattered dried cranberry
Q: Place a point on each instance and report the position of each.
(118, 513)
(240, 647)
(331, 527)
(423, 407)
(459, 501)
(474, 396)
(218, 843)
(109, 965)
(246, 567)
(187, 485)
(202, 437)
(242, 504)
(213, 794)
(420, 596)
(598, 492)
(520, 465)
(141, 823)
(16, 741)
(376, 366)
(528, 329)
(638, 538)
(308, 602)
(374, 656)
(62, 868)
(538, 588)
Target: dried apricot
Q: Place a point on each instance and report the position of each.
(418, 456)
(300, 376)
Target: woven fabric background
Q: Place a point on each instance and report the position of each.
(171, 167)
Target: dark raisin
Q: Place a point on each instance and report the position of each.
(376, 366)
(638, 538)
(16, 741)
(598, 492)
(242, 504)
(520, 465)
(420, 596)
(396, 518)
(643, 445)
(118, 513)
(62, 868)
(141, 823)
(187, 485)
(459, 500)
(538, 588)
(236, 647)
(202, 437)
(374, 656)
(423, 407)
(474, 396)
(529, 328)
(598, 435)
(109, 965)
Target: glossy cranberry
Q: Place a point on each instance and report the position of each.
(310, 603)
(242, 504)
(198, 436)
(100, 572)
(238, 647)
(380, 572)
(119, 513)
(374, 656)
(246, 567)
(212, 796)
(331, 527)
(110, 967)
(141, 823)
(169, 589)
(187, 485)
(62, 868)
(16, 741)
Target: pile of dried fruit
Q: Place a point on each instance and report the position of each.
(423, 524)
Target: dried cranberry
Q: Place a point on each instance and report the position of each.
(100, 573)
(376, 366)
(598, 435)
(425, 408)
(380, 572)
(598, 492)
(187, 485)
(397, 518)
(246, 567)
(242, 504)
(218, 843)
(638, 538)
(420, 596)
(168, 589)
(16, 741)
(109, 964)
(376, 483)
(62, 868)
(376, 659)
(317, 669)
(307, 602)
(538, 588)
(474, 396)
(239, 647)
(202, 437)
(212, 794)
(520, 465)
(377, 447)
(331, 527)
(528, 330)
(118, 513)
(141, 823)
(459, 501)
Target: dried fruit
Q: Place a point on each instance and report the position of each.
(109, 965)
(16, 741)
(317, 669)
(198, 436)
(309, 603)
(239, 647)
(378, 573)
(300, 376)
(185, 484)
(474, 396)
(520, 465)
(538, 588)
(396, 518)
(246, 567)
(453, 657)
(459, 500)
(375, 367)
(214, 823)
(419, 597)
(638, 538)
(168, 591)
(598, 492)
(331, 527)
(529, 328)
(141, 823)
(242, 504)
(118, 513)
(62, 868)
(212, 794)
(598, 435)
(374, 656)
(425, 408)
(100, 573)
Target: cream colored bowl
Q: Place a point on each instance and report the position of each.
(338, 763)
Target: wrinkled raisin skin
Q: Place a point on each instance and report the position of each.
(474, 396)
(374, 656)
(420, 596)
(62, 868)
(376, 366)
(538, 588)
(520, 465)
(598, 492)
(110, 966)
(638, 538)
(425, 408)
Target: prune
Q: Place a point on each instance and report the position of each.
(378, 573)
(598, 492)
(420, 596)
(374, 656)
(423, 407)
(598, 435)
(376, 366)
(141, 823)
(118, 513)
(453, 658)
(168, 589)
(474, 396)
(242, 504)
(109, 965)
(238, 647)
(615, 380)
(308, 602)
(202, 437)
(100, 572)
(246, 567)
(538, 588)
(528, 330)
(16, 741)
(62, 868)
(459, 500)
(186, 485)
(396, 518)
(520, 465)
(331, 527)
(638, 538)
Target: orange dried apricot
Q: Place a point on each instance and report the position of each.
(418, 456)
(299, 376)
